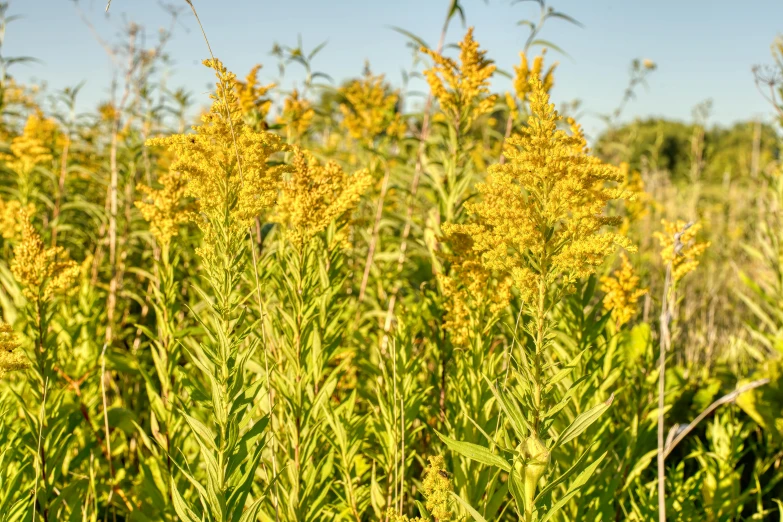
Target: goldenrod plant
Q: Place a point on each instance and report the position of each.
(225, 164)
(373, 298)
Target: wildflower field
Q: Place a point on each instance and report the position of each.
(343, 302)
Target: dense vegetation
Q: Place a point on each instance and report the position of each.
(338, 303)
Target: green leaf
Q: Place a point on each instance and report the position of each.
(204, 434)
(640, 465)
(251, 513)
(582, 422)
(563, 16)
(475, 452)
(580, 481)
(456, 9)
(472, 512)
(550, 45)
(416, 39)
(589, 290)
(527, 23)
(517, 488)
(423, 513)
(121, 418)
(182, 509)
(562, 478)
(518, 421)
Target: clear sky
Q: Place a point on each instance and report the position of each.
(703, 48)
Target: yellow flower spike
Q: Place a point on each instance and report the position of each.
(316, 195)
(165, 211)
(522, 77)
(10, 359)
(469, 290)
(207, 160)
(622, 292)
(251, 95)
(42, 272)
(545, 203)
(513, 109)
(370, 109)
(107, 112)
(462, 90)
(636, 206)
(12, 218)
(523, 73)
(686, 260)
(297, 114)
(34, 146)
(437, 488)
(18, 94)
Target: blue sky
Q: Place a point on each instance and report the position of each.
(703, 48)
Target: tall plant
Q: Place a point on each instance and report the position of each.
(541, 221)
(226, 167)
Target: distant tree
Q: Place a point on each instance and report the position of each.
(740, 150)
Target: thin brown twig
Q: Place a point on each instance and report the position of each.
(373, 241)
(665, 341)
(681, 433)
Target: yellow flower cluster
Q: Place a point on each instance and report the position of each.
(369, 109)
(393, 516)
(17, 94)
(636, 206)
(107, 112)
(462, 90)
(470, 292)
(524, 72)
(541, 213)
(316, 195)
(42, 272)
(622, 292)
(251, 95)
(12, 218)
(437, 488)
(678, 247)
(33, 146)
(10, 359)
(513, 109)
(165, 211)
(226, 191)
(297, 114)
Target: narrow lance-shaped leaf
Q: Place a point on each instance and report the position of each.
(582, 422)
(580, 481)
(472, 512)
(475, 452)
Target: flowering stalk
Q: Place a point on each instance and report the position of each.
(44, 274)
(226, 167)
(313, 206)
(522, 75)
(541, 221)
(165, 212)
(622, 292)
(680, 253)
(462, 91)
(461, 88)
(30, 150)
